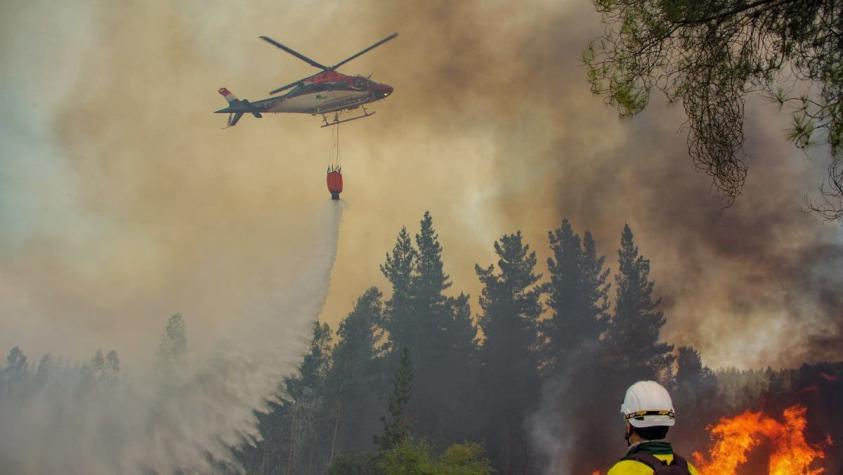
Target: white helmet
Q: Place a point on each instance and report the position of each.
(648, 404)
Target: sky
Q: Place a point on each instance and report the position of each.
(122, 200)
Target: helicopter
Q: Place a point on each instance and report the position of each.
(324, 93)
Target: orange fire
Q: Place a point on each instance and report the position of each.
(735, 437)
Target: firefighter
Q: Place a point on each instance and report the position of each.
(648, 412)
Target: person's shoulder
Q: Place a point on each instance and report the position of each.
(630, 467)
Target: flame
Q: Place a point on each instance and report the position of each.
(735, 437)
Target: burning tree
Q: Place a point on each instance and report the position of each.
(736, 437)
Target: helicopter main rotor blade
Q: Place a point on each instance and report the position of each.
(283, 88)
(294, 53)
(370, 48)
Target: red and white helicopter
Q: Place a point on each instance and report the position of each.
(325, 92)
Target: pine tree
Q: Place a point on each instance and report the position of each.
(395, 425)
(101, 371)
(459, 377)
(45, 368)
(431, 279)
(634, 330)
(92, 370)
(690, 371)
(295, 430)
(511, 309)
(15, 362)
(16, 368)
(172, 348)
(355, 382)
(694, 394)
(435, 328)
(430, 307)
(462, 334)
(578, 296)
(444, 343)
(111, 368)
(305, 395)
(595, 288)
(399, 319)
(97, 362)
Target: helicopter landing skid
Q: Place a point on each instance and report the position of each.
(337, 120)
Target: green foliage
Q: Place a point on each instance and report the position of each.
(399, 319)
(317, 361)
(358, 332)
(356, 464)
(410, 457)
(296, 431)
(430, 279)
(578, 296)
(510, 298)
(355, 382)
(416, 457)
(399, 264)
(305, 400)
(435, 328)
(709, 55)
(694, 390)
(463, 334)
(511, 309)
(633, 334)
(467, 458)
(396, 428)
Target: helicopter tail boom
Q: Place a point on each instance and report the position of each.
(236, 107)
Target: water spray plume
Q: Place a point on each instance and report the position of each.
(184, 421)
(737, 436)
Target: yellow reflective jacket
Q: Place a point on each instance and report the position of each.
(660, 449)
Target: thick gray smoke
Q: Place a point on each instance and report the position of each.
(747, 285)
(180, 420)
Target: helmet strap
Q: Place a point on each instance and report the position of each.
(627, 434)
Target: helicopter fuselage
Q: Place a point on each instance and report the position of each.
(330, 92)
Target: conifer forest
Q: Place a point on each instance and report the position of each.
(415, 380)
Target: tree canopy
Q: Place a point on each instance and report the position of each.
(536, 390)
(710, 55)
